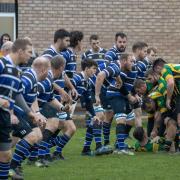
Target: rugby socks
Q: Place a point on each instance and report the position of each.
(53, 138)
(51, 143)
(44, 144)
(22, 151)
(121, 135)
(106, 132)
(88, 120)
(167, 145)
(128, 128)
(34, 153)
(61, 141)
(4, 170)
(97, 128)
(88, 138)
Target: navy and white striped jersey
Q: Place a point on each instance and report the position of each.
(50, 52)
(70, 58)
(113, 54)
(82, 85)
(99, 56)
(29, 83)
(61, 83)
(10, 82)
(45, 90)
(149, 63)
(112, 71)
(93, 79)
(129, 77)
(142, 67)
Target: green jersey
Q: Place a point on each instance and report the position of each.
(161, 86)
(149, 147)
(172, 71)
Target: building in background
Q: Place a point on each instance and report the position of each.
(8, 18)
(155, 21)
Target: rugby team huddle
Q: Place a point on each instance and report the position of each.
(37, 102)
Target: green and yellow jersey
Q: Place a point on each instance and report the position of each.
(149, 147)
(172, 71)
(160, 86)
(158, 94)
(149, 86)
(160, 101)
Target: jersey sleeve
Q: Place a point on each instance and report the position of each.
(1, 66)
(141, 67)
(83, 57)
(76, 80)
(167, 72)
(41, 88)
(48, 54)
(109, 56)
(27, 83)
(112, 70)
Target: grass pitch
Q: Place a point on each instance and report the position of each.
(142, 166)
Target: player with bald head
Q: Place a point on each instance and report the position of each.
(41, 65)
(26, 130)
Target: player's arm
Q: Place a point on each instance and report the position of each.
(157, 120)
(20, 101)
(35, 106)
(70, 86)
(99, 82)
(138, 117)
(170, 90)
(64, 94)
(167, 75)
(109, 56)
(58, 106)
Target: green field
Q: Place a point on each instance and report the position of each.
(142, 166)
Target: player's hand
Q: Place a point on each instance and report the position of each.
(66, 108)
(132, 99)
(118, 82)
(138, 98)
(74, 93)
(153, 134)
(4, 103)
(168, 102)
(36, 119)
(42, 119)
(65, 97)
(14, 119)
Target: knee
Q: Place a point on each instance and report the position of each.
(5, 156)
(71, 128)
(38, 134)
(35, 136)
(52, 124)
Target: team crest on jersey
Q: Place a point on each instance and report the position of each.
(35, 89)
(19, 73)
(9, 70)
